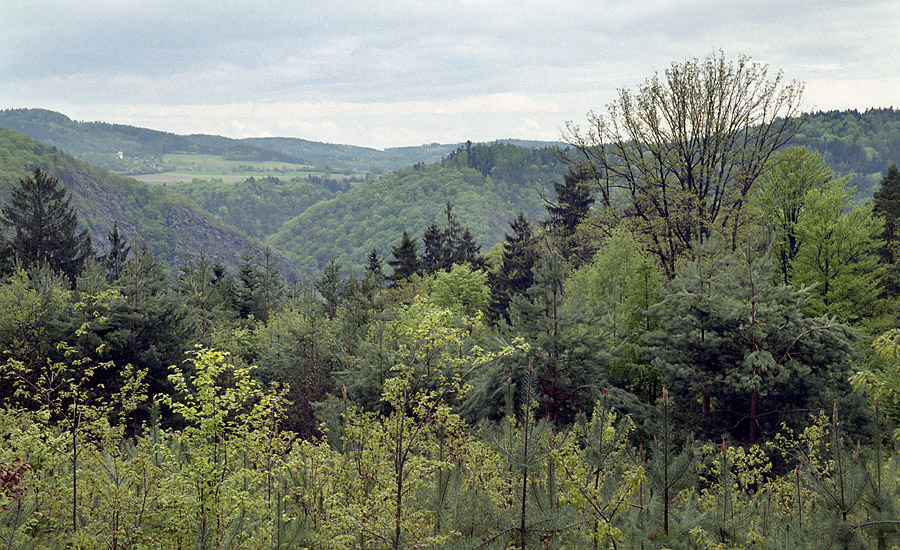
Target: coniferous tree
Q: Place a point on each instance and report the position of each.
(332, 288)
(574, 198)
(148, 327)
(515, 275)
(374, 269)
(887, 205)
(114, 261)
(737, 349)
(45, 225)
(260, 287)
(406, 259)
(468, 251)
(568, 359)
(573, 202)
(435, 254)
(202, 297)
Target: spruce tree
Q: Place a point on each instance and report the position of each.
(515, 275)
(573, 203)
(45, 225)
(435, 255)
(374, 269)
(406, 259)
(114, 261)
(887, 205)
(574, 198)
(468, 251)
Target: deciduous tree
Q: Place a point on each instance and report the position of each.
(686, 148)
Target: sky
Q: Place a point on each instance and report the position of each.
(407, 72)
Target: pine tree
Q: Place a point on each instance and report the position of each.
(46, 225)
(737, 349)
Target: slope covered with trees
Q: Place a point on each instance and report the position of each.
(487, 185)
(169, 224)
(853, 143)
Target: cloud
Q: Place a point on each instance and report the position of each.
(357, 70)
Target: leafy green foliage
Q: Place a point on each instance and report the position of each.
(259, 207)
(838, 253)
(782, 195)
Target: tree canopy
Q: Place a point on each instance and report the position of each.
(679, 156)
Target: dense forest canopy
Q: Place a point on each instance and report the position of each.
(609, 374)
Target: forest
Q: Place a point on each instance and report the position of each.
(689, 339)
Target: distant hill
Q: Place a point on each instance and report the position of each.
(260, 206)
(168, 223)
(487, 185)
(861, 144)
(99, 143)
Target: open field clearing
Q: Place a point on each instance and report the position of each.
(185, 167)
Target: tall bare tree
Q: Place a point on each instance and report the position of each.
(679, 156)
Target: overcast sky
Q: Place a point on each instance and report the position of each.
(404, 72)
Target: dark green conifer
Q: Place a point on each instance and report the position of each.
(114, 261)
(406, 259)
(45, 226)
(887, 205)
(515, 275)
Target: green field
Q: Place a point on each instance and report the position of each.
(188, 167)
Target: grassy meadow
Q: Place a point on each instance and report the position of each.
(186, 167)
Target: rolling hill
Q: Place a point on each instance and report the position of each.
(169, 224)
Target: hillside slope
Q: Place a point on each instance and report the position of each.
(487, 185)
(860, 144)
(169, 224)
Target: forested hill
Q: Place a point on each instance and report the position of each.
(168, 223)
(487, 185)
(861, 144)
(95, 142)
(83, 139)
